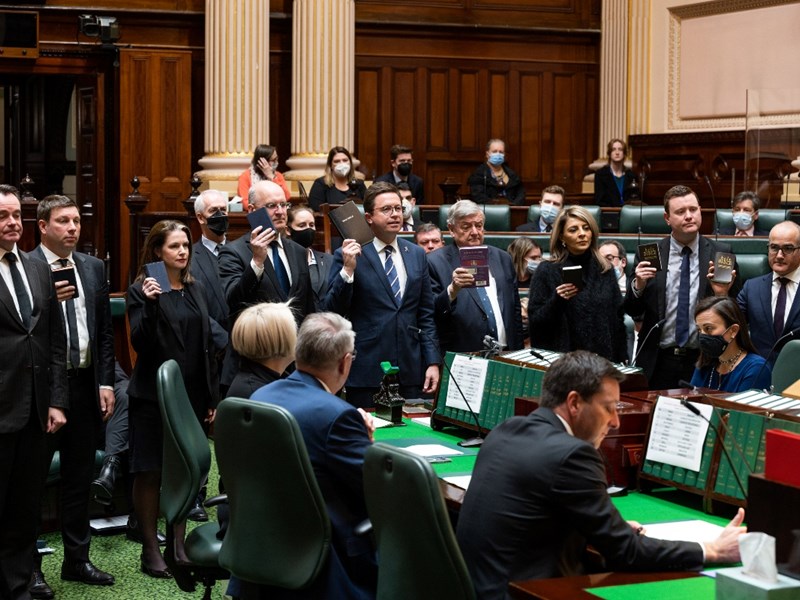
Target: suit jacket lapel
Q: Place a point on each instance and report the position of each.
(89, 286)
(8, 301)
(455, 261)
(269, 272)
(661, 277)
(704, 252)
(208, 264)
(39, 294)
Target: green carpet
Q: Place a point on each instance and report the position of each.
(120, 557)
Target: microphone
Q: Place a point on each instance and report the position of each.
(491, 345)
(539, 356)
(640, 347)
(692, 408)
(714, 201)
(785, 336)
(470, 442)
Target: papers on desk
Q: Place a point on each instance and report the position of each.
(380, 423)
(461, 481)
(429, 450)
(687, 531)
(677, 435)
(470, 373)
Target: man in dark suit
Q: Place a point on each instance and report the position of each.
(770, 317)
(745, 216)
(248, 267)
(538, 494)
(90, 377)
(336, 436)
(385, 290)
(33, 394)
(550, 204)
(402, 162)
(211, 211)
(466, 314)
(668, 341)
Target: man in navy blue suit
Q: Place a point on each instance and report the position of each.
(336, 436)
(385, 290)
(770, 302)
(464, 314)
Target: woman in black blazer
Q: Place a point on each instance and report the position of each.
(165, 324)
(613, 183)
(339, 183)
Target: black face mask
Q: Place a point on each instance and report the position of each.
(712, 345)
(218, 223)
(404, 169)
(304, 237)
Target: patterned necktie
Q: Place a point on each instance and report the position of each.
(780, 308)
(391, 274)
(682, 318)
(280, 269)
(72, 326)
(487, 308)
(23, 299)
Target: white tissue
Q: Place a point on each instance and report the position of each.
(758, 556)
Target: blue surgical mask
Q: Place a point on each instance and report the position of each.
(497, 159)
(617, 272)
(532, 266)
(548, 212)
(743, 220)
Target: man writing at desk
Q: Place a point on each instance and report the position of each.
(538, 492)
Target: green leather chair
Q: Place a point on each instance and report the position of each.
(497, 217)
(785, 372)
(396, 481)
(651, 218)
(751, 265)
(187, 459)
(279, 533)
(767, 218)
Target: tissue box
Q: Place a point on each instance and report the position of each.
(732, 584)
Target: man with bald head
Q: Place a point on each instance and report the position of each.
(770, 302)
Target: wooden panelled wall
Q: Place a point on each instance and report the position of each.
(446, 92)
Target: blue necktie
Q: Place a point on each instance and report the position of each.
(72, 327)
(280, 269)
(487, 308)
(391, 274)
(682, 318)
(24, 301)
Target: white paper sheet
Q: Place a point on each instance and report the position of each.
(461, 481)
(427, 450)
(470, 373)
(688, 531)
(677, 435)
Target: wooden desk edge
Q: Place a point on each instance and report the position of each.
(574, 588)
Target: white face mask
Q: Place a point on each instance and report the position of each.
(617, 272)
(342, 169)
(406, 210)
(743, 220)
(548, 213)
(532, 265)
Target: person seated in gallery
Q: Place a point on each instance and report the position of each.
(494, 180)
(263, 167)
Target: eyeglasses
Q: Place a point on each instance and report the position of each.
(353, 354)
(611, 257)
(389, 210)
(274, 205)
(787, 250)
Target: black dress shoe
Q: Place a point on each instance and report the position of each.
(198, 513)
(38, 587)
(103, 486)
(132, 533)
(85, 572)
(157, 573)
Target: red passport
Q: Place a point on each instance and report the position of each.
(782, 459)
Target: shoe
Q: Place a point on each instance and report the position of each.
(85, 572)
(198, 513)
(132, 533)
(38, 587)
(156, 573)
(103, 486)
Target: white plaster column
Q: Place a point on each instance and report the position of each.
(236, 88)
(323, 83)
(613, 81)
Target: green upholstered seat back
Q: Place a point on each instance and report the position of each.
(396, 482)
(497, 217)
(767, 218)
(752, 265)
(279, 533)
(187, 457)
(785, 371)
(651, 218)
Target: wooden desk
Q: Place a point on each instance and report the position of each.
(574, 588)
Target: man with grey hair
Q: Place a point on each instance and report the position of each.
(466, 314)
(337, 436)
(538, 492)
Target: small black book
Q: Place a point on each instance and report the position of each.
(261, 218)
(573, 275)
(158, 271)
(652, 254)
(66, 274)
(723, 267)
(351, 224)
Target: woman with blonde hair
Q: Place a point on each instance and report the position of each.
(339, 183)
(586, 314)
(264, 336)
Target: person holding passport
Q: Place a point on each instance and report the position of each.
(574, 301)
(169, 320)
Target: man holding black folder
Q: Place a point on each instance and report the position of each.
(82, 289)
(384, 289)
(667, 348)
(467, 313)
